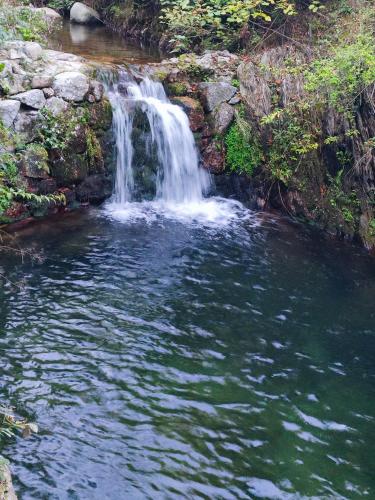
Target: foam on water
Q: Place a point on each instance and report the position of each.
(214, 211)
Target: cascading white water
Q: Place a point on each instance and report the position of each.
(179, 178)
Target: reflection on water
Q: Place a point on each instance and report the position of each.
(101, 44)
(163, 359)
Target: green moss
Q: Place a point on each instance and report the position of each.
(177, 89)
(243, 150)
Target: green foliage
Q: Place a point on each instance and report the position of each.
(217, 22)
(347, 204)
(55, 132)
(343, 76)
(243, 151)
(21, 23)
(293, 138)
(10, 424)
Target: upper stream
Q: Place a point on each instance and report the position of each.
(182, 347)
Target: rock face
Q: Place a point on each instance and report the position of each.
(71, 86)
(213, 94)
(82, 14)
(336, 194)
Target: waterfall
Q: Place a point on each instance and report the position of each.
(179, 180)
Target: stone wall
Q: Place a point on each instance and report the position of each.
(56, 126)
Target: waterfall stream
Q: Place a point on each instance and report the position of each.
(178, 180)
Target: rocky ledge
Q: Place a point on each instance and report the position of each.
(55, 128)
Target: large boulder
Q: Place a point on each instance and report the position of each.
(214, 93)
(71, 86)
(32, 98)
(82, 14)
(8, 111)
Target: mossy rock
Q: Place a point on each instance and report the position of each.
(177, 89)
(34, 162)
(100, 115)
(69, 169)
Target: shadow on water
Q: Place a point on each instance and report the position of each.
(168, 359)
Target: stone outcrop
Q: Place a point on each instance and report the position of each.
(61, 116)
(82, 14)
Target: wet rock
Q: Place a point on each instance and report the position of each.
(101, 115)
(67, 168)
(213, 94)
(222, 117)
(94, 189)
(8, 111)
(193, 109)
(34, 162)
(56, 105)
(72, 86)
(213, 157)
(97, 90)
(47, 186)
(32, 98)
(82, 14)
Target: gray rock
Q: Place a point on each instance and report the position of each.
(33, 50)
(8, 111)
(26, 125)
(71, 85)
(82, 14)
(56, 105)
(14, 85)
(222, 117)
(213, 94)
(21, 50)
(32, 98)
(48, 92)
(49, 14)
(41, 81)
(97, 90)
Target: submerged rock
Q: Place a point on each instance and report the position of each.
(82, 14)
